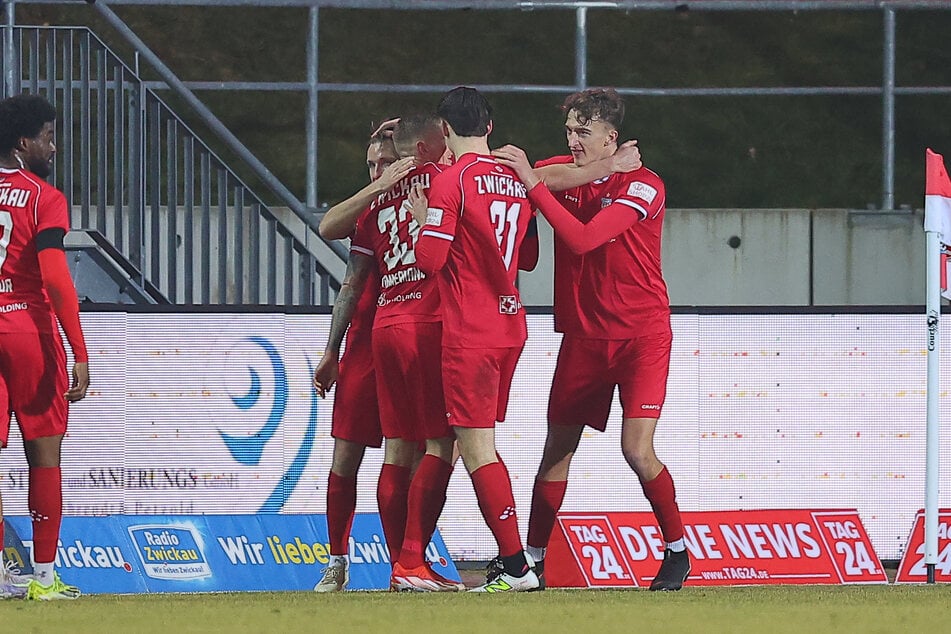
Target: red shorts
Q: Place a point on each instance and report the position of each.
(356, 415)
(589, 369)
(32, 383)
(476, 383)
(408, 361)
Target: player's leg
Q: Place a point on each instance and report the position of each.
(645, 362)
(355, 426)
(36, 396)
(392, 492)
(580, 396)
(476, 385)
(341, 505)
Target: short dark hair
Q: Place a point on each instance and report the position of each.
(466, 110)
(415, 127)
(23, 116)
(603, 104)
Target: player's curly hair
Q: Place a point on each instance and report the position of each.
(22, 116)
(603, 104)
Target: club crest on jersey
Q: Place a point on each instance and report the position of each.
(605, 202)
(508, 304)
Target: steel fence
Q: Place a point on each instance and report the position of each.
(135, 172)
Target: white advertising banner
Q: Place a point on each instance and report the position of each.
(214, 414)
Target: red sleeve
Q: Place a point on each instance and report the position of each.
(436, 236)
(528, 252)
(62, 294)
(581, 238)
(51, 210)
(361, 241)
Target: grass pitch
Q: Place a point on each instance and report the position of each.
(866, 609)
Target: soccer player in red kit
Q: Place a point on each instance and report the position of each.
(356, 421)
(476, 219)
(407, 335)
(36, 290)
(611, 304)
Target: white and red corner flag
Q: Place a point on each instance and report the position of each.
(938, 209)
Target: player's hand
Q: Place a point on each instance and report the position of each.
(627, 158)
(418, 204)
(514, 157)
(386, 128)
(326, 374)
(77, 390)
(394, 172)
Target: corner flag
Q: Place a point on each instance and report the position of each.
(937, 241)
(938, 209)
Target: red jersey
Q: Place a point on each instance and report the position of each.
(28, 205)
(478, 215)
(388, 234)
(616, 290)
(361, 324)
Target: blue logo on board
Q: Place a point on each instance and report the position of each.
(248, 449)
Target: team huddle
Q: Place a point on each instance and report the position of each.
(436, 329)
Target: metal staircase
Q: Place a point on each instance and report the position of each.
(182, 222)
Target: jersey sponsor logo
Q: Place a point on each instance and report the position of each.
(406, 275)
(508, 304)
(170, 551)
(500, 184)
(434, 216)
(383, 300)
(9, 308)
(573, 199)
(14, 197)
(605, 202)
(650, 406)
(642, 190)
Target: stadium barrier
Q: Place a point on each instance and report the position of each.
(123, 554)
(727, 548)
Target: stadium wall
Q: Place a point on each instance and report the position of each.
(779, 257)
(213, 413)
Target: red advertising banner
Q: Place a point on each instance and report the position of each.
(624, 550)
(912, 568)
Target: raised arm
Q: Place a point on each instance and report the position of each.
(340, 220)
(359, 267)
(580, 238)
(561, 176)
(432, 246)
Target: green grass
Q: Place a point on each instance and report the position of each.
(866, 609)
(821, 151)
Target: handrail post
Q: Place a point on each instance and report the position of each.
(312, 94)
(581, 48)
(888, 114)
(9, 50)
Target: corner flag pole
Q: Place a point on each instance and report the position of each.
(937, 235)
(932, 435)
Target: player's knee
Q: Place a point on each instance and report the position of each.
(641, 459)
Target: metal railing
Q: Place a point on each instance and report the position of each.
(135, 172)
(302, 218)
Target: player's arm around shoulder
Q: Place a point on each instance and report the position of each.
(341, 219)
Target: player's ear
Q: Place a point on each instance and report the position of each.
(488, 129)
(445, 129)
(612, 137)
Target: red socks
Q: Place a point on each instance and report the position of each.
(427, 496)
(391, 497)
(494, 491)
(663, 498)
(547, 497)
(341, 503)
(46, 509)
